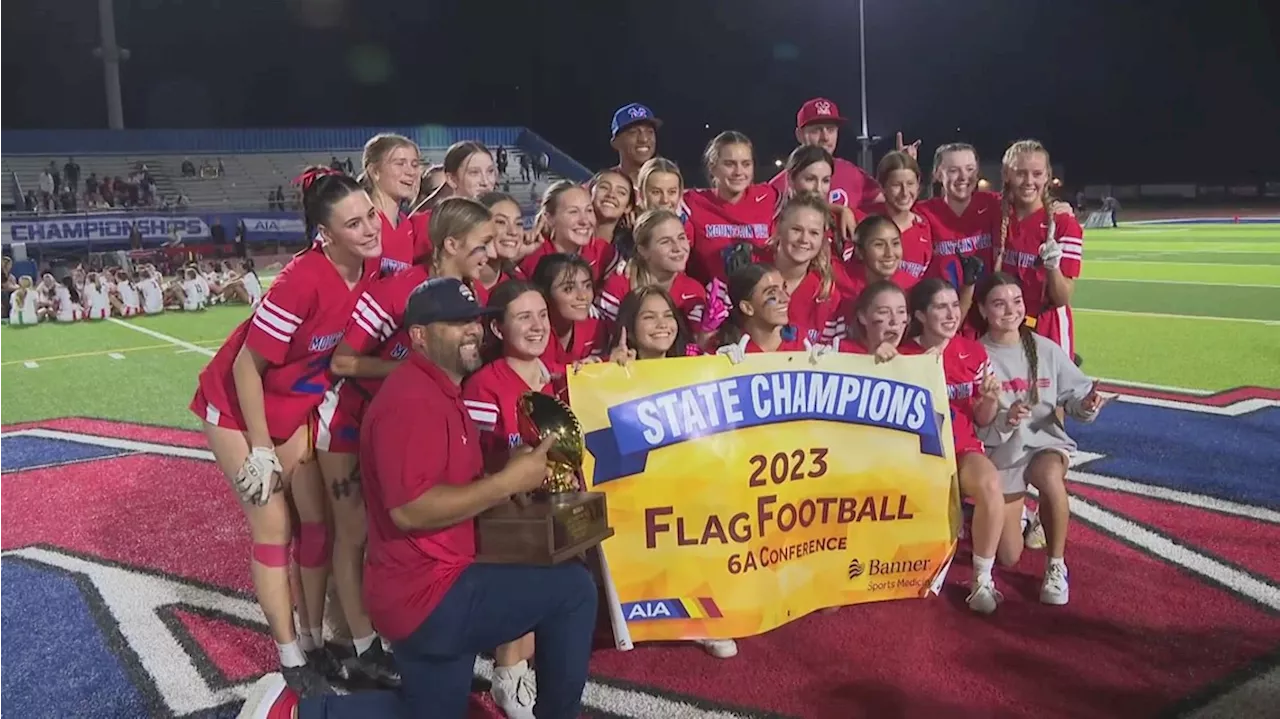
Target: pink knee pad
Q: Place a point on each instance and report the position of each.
(313, 544)
(271, 555)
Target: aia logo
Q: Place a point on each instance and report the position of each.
(855, 569)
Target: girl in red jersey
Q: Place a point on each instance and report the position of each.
(961, 220)
(1037, 244)
(505, 250)
(974, 394)
(877, 246)
(374, 344)
(517, 341)
(661, 185)
(802, 255)
(256, 398)
(469, 171)
(733, 212)
(570, 227)
(878, 322)
(566, 281)
(650, 326)
(758, 317)
(612, 198)
(809, 169)
(899, 176)
(392, 174)
(661, 254)
(1027, 442)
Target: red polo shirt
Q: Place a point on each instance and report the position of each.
(416, 434)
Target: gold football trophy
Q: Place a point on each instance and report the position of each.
(562, 521)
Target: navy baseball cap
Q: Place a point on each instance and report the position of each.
(628, 115)
(443, 299)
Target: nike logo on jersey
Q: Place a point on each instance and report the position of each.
(686, 297)
(981, 210)
(964, 357)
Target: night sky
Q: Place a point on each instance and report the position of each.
(1119, 90)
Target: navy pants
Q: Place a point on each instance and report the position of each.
(489, 604)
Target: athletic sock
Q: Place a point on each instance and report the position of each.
(512, 672)
(317, 636)
(982, 569)
(305, 642)
(362, 645)
(1057, 562)
(291, 655)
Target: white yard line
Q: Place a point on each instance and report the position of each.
(1127, 313)
(163, 337)
(1189, 499)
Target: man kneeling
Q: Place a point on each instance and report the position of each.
(421, 463)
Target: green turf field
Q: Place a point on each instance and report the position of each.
(1184, 306)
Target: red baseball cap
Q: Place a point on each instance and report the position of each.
(819, 109)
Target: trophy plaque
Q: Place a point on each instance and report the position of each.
(561, 521)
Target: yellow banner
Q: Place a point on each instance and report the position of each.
(746, 496)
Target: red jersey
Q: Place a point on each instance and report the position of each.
(482, 293)
(589, 338)
(689, 296)
(377, 318)
(964, 235)
(295, 327)
(492, 396)
(851, 346)
(850, 185)
(795, 344)
(419, 224)
(416, 436)
(598, 253)
(719, 224)
(1022, 254)
(397, 244)
(820, 322)
(917, 248)
(858, 283)
(964, 365)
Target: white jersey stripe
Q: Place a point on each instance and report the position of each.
(283, 313)
(267, 316)
(273, 332)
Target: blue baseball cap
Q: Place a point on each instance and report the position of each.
(628, 115)
(443, 299)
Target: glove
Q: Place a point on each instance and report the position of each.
(1051, 254)
(737, 351)
(970, 270)
(257, 476)
(816, 351)
(717, 309)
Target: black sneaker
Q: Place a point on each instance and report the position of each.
(328, 666)
(305, 681)
(378, 665)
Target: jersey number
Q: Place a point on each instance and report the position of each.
(313, 380)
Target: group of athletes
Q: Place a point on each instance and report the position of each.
(115, 292)
(636, 266)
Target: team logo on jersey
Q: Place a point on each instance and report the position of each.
(823, 108)
(324, 343)
(399, 352)
(513, 440)
(812, 335)
(839, 197)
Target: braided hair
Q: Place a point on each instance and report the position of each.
(1016, 150)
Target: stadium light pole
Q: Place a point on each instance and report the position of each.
(111, 55)
(865, 139)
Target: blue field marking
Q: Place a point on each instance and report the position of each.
(58, 662)
(1234, 458)
(24, 452)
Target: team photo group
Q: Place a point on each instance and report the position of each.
(376, 401)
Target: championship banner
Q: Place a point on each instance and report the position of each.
(746, 496)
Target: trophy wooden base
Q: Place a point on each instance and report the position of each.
(548, 531)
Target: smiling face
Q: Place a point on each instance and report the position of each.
(958, 172)
(571, 294)
(941, 319)
(1003, 308)
(477, 175)
(768, 302)
(354, 226)
(667, 250)
(465, 256)
(815, 177)
(1028, 176)
(398, 175)
(655, 327)
(901, 188)
(801, 233)
(734, 168)
(510, 230)
(611, 197)
(525, 326)
(882, 253)
(662, 190)
(637, 144)
(884, 319)
(574, 222)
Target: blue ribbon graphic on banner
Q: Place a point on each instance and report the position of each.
(643, 425)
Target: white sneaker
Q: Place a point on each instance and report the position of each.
(719, 648)
(984, 597)
(1033, 532)
(1055, 590)
(515, 690)
(268, 694)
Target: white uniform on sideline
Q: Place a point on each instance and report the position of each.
(95, 302)
(193, 298)
(22, 310)
(253, 287)
(152, 296)
(68, 311)
(129, 299)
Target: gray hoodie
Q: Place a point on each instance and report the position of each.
(1061, 383)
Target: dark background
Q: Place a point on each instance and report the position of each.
(1119, 90)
